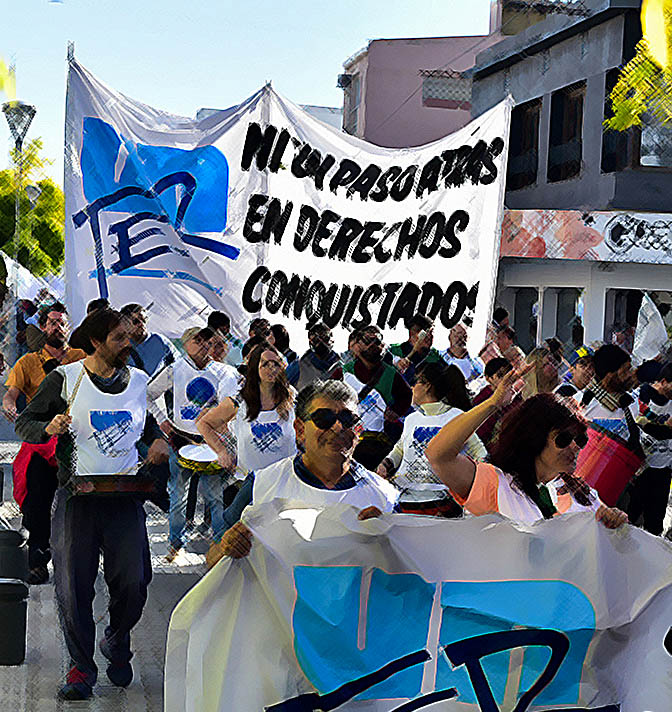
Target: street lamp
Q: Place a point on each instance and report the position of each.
(19, 117)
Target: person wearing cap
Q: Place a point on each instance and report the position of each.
(320, 362)
(196, 383)
(581, 371)
(97, 410)
(606, 400)
(149, 352)
(34, 469)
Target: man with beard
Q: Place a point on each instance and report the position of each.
(606, 400)
(149, 352)
(457, 354)
(319, 363)
(418, 349)
(34, 469)
(383, 394)
(98, 410)
(327, 424)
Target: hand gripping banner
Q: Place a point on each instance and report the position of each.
(407, 613)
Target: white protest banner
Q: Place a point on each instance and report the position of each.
(263, 209)
(407, 613)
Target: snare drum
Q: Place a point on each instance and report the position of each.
(607, 464)
(199, 458)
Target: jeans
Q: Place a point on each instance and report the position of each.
(178, 491)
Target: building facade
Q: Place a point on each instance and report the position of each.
(587, 226)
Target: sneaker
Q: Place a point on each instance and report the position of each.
(172, 553)
(37, 575)
(119, 674)
(76, 686)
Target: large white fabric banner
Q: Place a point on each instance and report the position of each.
(263, 209)
(479, 614)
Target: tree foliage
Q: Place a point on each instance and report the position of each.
(644, 86)
(40, 247)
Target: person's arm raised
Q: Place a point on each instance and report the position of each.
(443, 451)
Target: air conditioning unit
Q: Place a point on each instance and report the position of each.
(343, 81)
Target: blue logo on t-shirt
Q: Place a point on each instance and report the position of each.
(201, 394)
(109, 426)
(266, 436)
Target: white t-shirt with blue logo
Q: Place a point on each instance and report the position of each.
(262, 441)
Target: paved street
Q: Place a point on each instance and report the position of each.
(33, 685)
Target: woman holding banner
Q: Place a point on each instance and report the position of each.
(530, 474)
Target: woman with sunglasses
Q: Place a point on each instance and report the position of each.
(530, 473)
(439, 395)
(260, 421)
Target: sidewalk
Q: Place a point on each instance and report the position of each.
(32, 686)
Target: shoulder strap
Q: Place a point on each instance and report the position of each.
(73, 395)
(368, 387)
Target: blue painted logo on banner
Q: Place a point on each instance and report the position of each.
(159, 187)
(347, 629)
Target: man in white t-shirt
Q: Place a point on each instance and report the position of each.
(457, 355)
(327, 426)
(197, 383)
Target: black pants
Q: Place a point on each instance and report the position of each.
(41, 483)
(648, 498)
(82, 527)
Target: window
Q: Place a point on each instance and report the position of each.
(565, 145)
(523, 145)
(445, 88)
(656, 146)
(616, 145)
(351, 108)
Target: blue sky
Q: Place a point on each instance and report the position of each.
(180, 56)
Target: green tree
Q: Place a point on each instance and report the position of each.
(41, 244)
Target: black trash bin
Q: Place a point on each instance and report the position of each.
(13, 611)
(13, 554)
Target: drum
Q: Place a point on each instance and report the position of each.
(199, 458)
(607, 464)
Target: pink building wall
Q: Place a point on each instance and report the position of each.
(391, 110)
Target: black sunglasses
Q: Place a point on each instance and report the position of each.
(324, 418)
(566, 438)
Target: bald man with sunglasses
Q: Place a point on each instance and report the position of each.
(327, 427)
